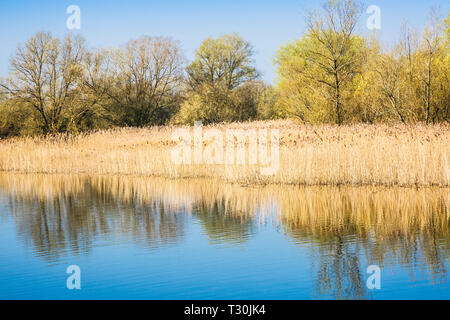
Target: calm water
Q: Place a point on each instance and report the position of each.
(142, 238)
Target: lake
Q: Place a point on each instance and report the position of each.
(151, 238)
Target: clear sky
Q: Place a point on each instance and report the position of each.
(267, 24)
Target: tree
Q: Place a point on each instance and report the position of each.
(138, 84)
(392, 77)
(221, 79)
(413, 76)
(300, 95)
(334, 49)
(45, 74)
(13, 119)
(209, 104)
(368, 101)
(325, 61)
(445, 69)
(226, 60)
(446, 28)
(268, 104)
(430, 52)
(212, 104)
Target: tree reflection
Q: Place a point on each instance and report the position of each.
(73, 222)
(349, 232)
(221, 226)
(346, 229)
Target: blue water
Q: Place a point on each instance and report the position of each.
(190, 254)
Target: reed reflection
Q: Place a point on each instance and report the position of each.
(59, 218)
(221, 226)
(346, 228)
(381, 226)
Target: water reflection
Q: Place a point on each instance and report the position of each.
(56, 223)
(221, 226)
(386, 226)
(345, 228)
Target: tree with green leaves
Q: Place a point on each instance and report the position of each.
(318, 70)
(321, 66)
(227, 60)
(221, 80)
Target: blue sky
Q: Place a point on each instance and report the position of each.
(267, 24)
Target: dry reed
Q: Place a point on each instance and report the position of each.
(402, 155)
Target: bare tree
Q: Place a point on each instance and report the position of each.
(141, 79)
(431, 44)
(409, 45)
(98, 85)
(45, 72)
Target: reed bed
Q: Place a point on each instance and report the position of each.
(400, 155)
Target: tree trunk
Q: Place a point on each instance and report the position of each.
(338, 98)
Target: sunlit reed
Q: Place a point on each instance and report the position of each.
(309, 155)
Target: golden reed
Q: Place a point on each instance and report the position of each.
(401, 155)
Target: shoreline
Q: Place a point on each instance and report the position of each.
(219, 180)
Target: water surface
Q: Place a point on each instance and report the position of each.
(148, 238)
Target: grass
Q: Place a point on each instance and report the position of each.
(399, 155)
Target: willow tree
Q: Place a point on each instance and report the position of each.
(369, 103)
(334, 49)
(325, 61)
(221, 79)
(227, 60)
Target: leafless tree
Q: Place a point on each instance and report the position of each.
(431, 44)
(45, 73)
(141, 79)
